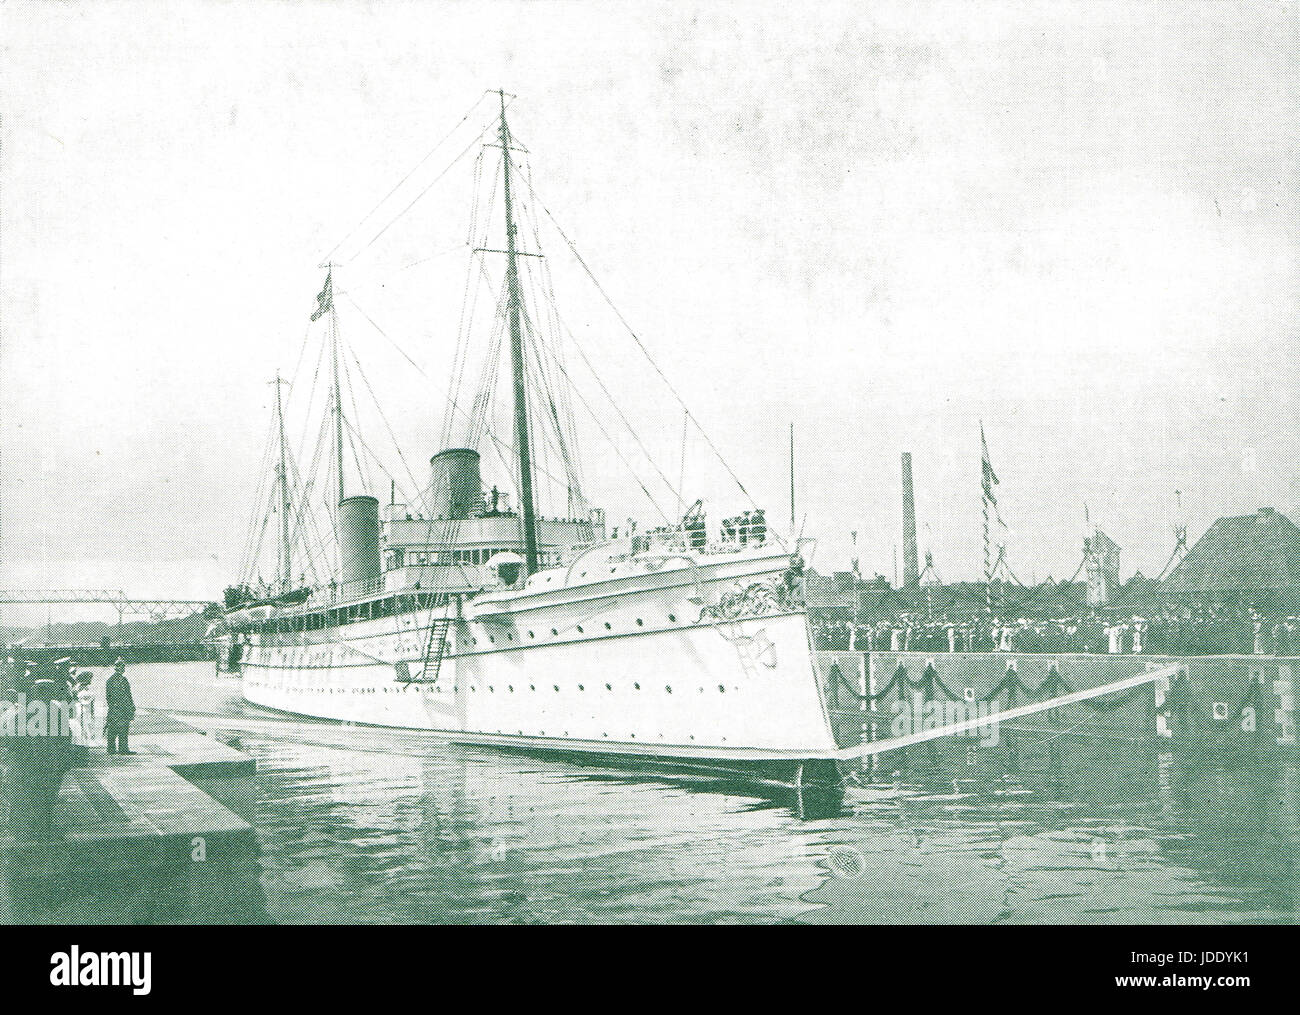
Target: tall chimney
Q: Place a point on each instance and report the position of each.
(911, 574)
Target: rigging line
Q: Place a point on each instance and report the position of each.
(304, 510)
(311, 396)
(291, 468)
(354, 434)
(428, 155)
(426, 190)
(566, 432)
(632, 472)
(474, 197)
(464, 325)
(548, 440)
(489, 368)
(259, 496)
(536, 368)
(461, 352)
(391, 340)
(649, 458)
(477, 241)
(489, 372)
(305, 517)
(505, 446)
(307, 510)
(362, 477)
(260, 499)
(266, 518)
(490, 365)
(548, 386)
(544, 272)
(302, 349)
(398, 270)
(640, 345)
(384, 418)
(485, 390)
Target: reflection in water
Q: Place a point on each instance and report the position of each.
(377, 826)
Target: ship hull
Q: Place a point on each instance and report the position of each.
(633, 670)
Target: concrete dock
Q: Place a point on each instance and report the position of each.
(138, 839)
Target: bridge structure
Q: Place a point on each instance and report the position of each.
(126, 606)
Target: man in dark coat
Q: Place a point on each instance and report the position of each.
(39, 752)
(121, 710)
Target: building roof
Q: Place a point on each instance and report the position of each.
(827, 591)
(1250, 553)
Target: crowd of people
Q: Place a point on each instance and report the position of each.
(1184, 631)
(48, 725)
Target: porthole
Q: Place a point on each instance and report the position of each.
(637, 686)
(492, 638)
(640, 622)
(532, 687)
(607, 627)
(721, 689)
(554, 632)
(609, 687)
(511, 688)
(581, 688)
(530, 634)
(557, 687)
(672, 618)
(580, 629)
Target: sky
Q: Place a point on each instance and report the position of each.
(883, 223)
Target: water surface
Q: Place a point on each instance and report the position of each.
(378, 826)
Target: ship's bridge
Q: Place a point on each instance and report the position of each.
(447, 548)
(418, 552)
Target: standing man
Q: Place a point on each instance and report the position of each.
(39, 755)
(121, 710)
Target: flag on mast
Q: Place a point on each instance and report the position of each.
(990, 477)
(325, 298)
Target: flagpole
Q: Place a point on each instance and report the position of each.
(988, 571)
(986, 493)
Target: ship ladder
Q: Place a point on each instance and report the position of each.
(435, 650)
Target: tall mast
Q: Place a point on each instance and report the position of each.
(517, 361)
(338, 400)
(286, 508)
